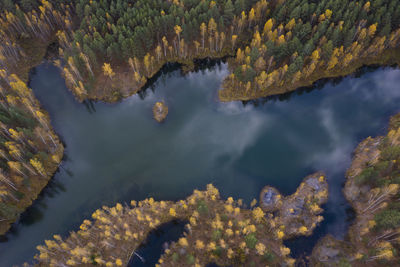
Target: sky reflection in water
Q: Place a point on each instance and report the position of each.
(117, 152)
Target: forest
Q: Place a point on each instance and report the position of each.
(118, 40)
(303, 42)
(278, 45)
(373, 188)
(217, 231)
(108, 49)
(30, 150)
(111, 48)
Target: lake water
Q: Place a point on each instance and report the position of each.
(117, 152)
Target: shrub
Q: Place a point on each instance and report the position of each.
(190, 259)
(217, 251)
(390, 152)
(344, 263)
(202, 207)
(367, 175)
(216, 235)
(8, 211)
(175, 257)
(251, 240)
(268, 256)
(387, 219)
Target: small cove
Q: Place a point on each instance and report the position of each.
(117, 152)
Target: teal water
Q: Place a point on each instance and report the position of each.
(117, 152)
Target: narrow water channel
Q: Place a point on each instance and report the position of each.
(117, 152)
(150, 251)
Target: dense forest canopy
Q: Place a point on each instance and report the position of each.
(140, 36)
(278, 45)
(109, 48)
(124, 29)
(29, 150)
(306, 40)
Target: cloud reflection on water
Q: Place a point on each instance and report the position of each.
(119, 153)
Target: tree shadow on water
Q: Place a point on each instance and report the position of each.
(35, 213)
(90, 107)
(170, 69)
(317, 85)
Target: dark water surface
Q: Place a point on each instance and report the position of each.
(117, 152)
(155, 244)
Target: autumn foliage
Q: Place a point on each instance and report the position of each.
(277, 46)
(224, 232)
(30, 152)
(304, 42)
(372, 187)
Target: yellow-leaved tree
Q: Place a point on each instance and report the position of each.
(108, 71)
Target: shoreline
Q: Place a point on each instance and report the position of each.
(390, 57)
(185, 66)
(365, 241)
(37, 185)
(57, 168)
(250, 233)
(382, 60)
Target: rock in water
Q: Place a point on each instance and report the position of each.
(160, 111)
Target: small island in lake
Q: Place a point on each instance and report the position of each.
(108, 50)
(160, 111)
